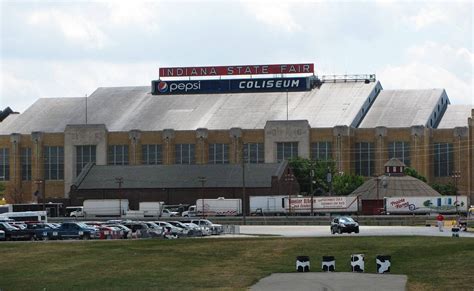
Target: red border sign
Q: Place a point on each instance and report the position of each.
(237, 70)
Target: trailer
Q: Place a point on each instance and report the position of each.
(105, 207)
(327, 204)
(426, 204)
(219, 207)
(268, 205)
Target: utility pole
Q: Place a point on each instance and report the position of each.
(456, 175)
(119, 181)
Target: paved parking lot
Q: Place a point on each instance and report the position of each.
(323, 231)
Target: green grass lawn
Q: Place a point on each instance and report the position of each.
(431, 263)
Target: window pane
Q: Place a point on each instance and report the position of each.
(4, 165)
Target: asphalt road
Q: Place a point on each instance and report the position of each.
(323, 231)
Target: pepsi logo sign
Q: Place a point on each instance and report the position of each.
(162, 87)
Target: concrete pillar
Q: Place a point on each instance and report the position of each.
(201, 148)
(14, 185)
(342, 148)
(168, 151)
(135, 146)
(83, 134)
(237, 144)
(381, 156)
(420, 150)
(286, 131)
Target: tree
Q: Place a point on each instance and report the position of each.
(445, 189)
(302, 170)
(346, 184)
(412, 172)
(342, 184)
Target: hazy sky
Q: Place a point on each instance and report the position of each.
(69, 48)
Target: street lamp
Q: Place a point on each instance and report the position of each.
(203, 180)
(456, 175)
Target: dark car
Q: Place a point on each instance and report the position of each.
(43, 231)
(344, 224)
(14, 233)
(78, 230)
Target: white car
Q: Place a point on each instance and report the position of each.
(204, 230)
(214, 228)
(168, 213)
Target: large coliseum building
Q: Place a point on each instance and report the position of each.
(351, 120)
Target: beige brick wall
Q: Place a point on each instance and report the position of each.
(421, 151)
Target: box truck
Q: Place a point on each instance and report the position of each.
(105, 207)
(268, 205)
(326, 204)
(215, 207)
(426, 204)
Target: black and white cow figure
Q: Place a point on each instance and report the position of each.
(302, 264)
(383, 264)
(357, 263)
(329, 264)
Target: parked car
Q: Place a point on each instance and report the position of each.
(198, 230)
(344, 224)
(43, 231)
(154, 229)
(173, 230)
(214, 228)
(76, 230)
(14, 233)
(187, 230)
(111, 232)
(125, 231)
(169, 213)
(139, 229)
(2, 235)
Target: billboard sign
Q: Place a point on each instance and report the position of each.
(160, 87)
(426, 204)
(237, 70)
(323, 204)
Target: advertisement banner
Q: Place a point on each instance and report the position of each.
(323, 204)
(237, 70)
(230, 86)
(426, 204)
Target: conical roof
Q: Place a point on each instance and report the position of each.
(394, 162)
(393, 186)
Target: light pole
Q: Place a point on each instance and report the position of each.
(203, 180)
(456, 175)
